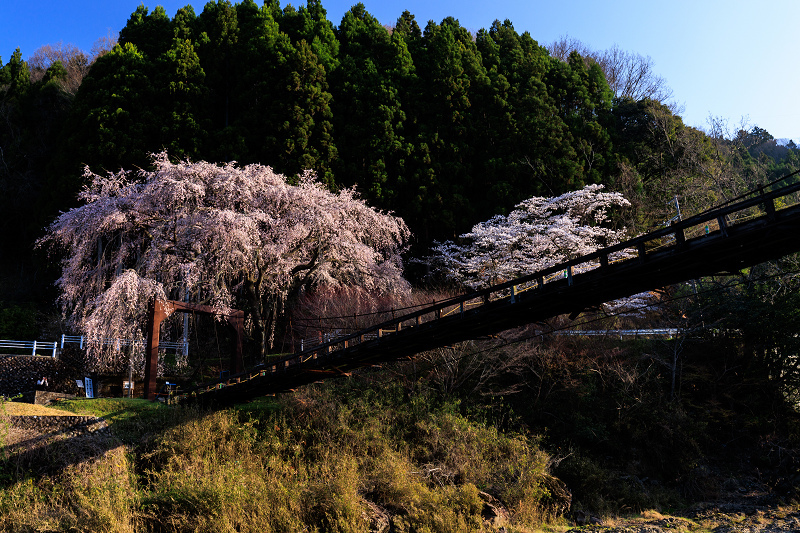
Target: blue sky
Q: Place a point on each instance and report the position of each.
(731, 59)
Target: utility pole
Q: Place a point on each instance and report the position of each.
(185, 349)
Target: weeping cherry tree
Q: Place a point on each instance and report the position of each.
(227, 236)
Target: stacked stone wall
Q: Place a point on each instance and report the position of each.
(70, 426)
(19, 375)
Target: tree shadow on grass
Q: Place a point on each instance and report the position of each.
(31, 453)
(32, 450)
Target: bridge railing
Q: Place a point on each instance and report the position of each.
(714, 221)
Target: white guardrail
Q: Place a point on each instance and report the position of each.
(323, 337)
(32, 346)
(54, 346)
(183, 347)
(663, 332)
(179, 347)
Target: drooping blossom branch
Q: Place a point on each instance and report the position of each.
(226, 235)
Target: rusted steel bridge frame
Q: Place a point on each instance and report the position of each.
(158, 310)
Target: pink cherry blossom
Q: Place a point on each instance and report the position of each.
(539, 233)
(231, 236)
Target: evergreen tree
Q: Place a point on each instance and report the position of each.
(32, 115)
(583, 100)
(310, 24)
(184, 24)
(449, 76)
(114, 112)
(407, 27)
(218, 38)
(16, 77)
(181, 84)
(308, 132)
(263, 56)
(150, 32)
(369, 117)
(524, 143)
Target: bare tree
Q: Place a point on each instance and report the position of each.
(103, 45)
(629, 75)
(562, 48)
(71, 57)
(74, 60)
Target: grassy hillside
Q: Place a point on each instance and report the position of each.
(526, 435)
(329, 458)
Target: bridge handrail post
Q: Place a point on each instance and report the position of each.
(723, 225)
(680, 236)
(769, 203)
(641, 250)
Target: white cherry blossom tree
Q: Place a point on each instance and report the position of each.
(229, 236)
(537, 234)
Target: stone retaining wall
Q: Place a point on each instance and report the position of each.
(71, 426)
(19, 374)
(44, 397)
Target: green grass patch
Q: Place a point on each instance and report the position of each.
(131, 419)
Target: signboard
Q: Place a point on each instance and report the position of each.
(89, 386)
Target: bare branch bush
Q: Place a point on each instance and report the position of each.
(346, 309)
(103, 45)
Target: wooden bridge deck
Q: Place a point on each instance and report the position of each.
(661, 258)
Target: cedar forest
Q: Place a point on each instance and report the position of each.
(442, 127)
(439, 128)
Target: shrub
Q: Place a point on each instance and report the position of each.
(18, 322)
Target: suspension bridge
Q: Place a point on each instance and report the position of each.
(762, 226)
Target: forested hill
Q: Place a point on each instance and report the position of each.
(441, 126)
